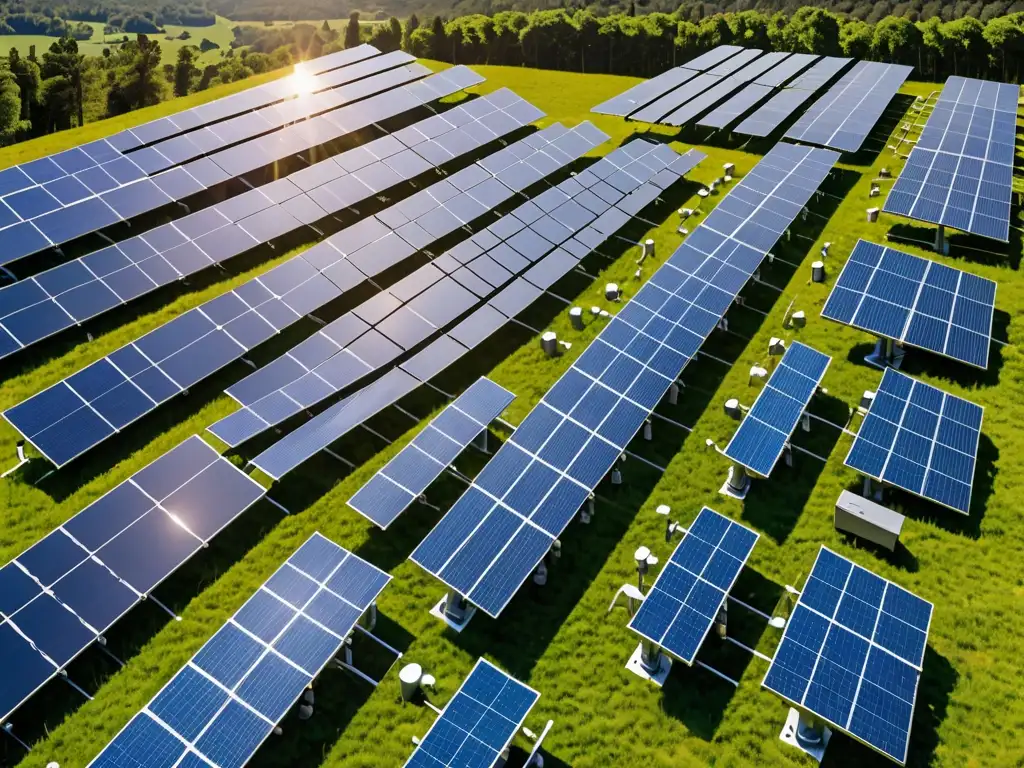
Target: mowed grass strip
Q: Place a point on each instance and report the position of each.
(560, 639)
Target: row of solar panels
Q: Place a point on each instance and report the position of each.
(74, 292)
(68, 207)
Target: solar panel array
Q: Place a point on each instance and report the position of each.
(68, 589)
(408, 475)
(791, 64)
(644, 93)
(684, 600)
(712, 58)
(478, 723)
(960, 172)
(658, 109)
(732, 109)
(78, 413)
(767, 427)
(497, 532)
(639, 158)
(60, 208)
(921, 439)
(769, 116)
(852, 653)
(576, 217)
(820, 74)
(845, 115)
(915, 301)
(224, 703)
(36, 308)
(738, 61)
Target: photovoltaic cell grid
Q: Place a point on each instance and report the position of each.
(821, 73)
(769, 116)
(541, 240)
(920, 439)
(915, 301)
(852, 653)
(960, 172)
(496, 533)
(712, 58)
(643, 94)
(38, 307)
(69, 588)
(479, 722)
(791, 65)
(638, 157)
(731, 110)
(658, 109)
(765, 430)
(60, 207)
(684, 601)
(67, 419)
(230, 696)
(403, 479)
(845, 115)
(378, 331)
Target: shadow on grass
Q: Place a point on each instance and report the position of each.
(938, 679)
(877, 140)
(920, 362)
(900, 557)
(974, 248)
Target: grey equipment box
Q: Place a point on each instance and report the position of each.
(868, 520)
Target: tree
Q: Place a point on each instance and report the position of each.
(632, 8)
(11, 123)
(438, 39)
(26, 74)
(352, 31)
(138, 80)
(410, 26)
(1006, 39)
(325, 27)
(185, 70)
(62, 67)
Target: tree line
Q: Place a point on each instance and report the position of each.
(62, 88)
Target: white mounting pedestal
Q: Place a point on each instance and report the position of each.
(789, 731)
(727, 488)
(659, 677)
(438, 611)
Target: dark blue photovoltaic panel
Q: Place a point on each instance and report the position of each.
(682, 604)
(640, 95)
(845, 115)
(294, 625)
(403, 479)
(141, 531)
(920, 439)
(960, 171)
(712, 58)
(852, 653)
(769, 116)
(915, 301)
(585, 421)
(769, 424)
(478, 723)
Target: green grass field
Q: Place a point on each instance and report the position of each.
(219, 33)
(560, 639)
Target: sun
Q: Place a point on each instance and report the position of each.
(304, 83)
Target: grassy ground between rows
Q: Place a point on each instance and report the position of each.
(560, 639)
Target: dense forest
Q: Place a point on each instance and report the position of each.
(42, 17)
(62, 88)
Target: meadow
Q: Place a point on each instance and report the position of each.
(560, 639)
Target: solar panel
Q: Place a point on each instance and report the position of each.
(787, 68)
(915, 301)
(732, 109)
(477, 725)
(773, 113)
(86, 408)
(921, 439)
(493, 537)
(737, 62)
(660, 108)
(61, 206)
(767, 427)
(644, 93)
(685, 599)
(408, 475)
(960, 172)
(75, 583)
(821, 73)
(343, 353)
(224, 703)
(712, 58)
(845, 115)
(852, 653)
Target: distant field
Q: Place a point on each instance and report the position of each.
(219, 33)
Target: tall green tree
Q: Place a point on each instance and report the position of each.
(352, 31)
(61, 90)
(439, 48)
(26, 74)
(410, 26)
(1006, 39)
(185, 70)
(138, 80)
(11, 123)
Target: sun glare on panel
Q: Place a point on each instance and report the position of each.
(303, 82)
